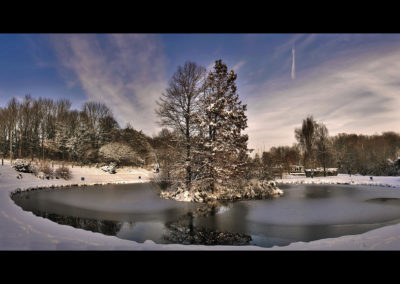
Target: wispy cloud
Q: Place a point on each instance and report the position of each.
(293, 64)
(286, 46)
(124, 71)
(238, 65)
(361, 95)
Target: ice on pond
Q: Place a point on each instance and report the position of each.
(136, 212)
(326, 204)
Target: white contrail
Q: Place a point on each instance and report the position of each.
(293, 65)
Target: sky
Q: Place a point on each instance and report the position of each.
(349, 82)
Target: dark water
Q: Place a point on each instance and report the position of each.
(135, 212)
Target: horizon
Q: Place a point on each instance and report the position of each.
(346, 81)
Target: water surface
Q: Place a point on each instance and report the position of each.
(136, 212)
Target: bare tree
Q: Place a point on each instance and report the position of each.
(95, 112)
(306, 137)
(179, 103)
(323, 145)
(46, 124)
(12, 115)
(3, 133)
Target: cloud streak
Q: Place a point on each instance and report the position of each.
(354, 96)
(238, 65)
(293, 64)
(127, 72)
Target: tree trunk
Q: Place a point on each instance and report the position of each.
(188, 161)
(188, 168)
(42, 149)
(20, 146)
(31, 149)
(10, 146)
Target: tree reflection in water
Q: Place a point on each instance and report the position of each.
(183, 230)
(106, 227)
(180, 230)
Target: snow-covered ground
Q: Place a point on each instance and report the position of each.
(21, 230)
(343, 179)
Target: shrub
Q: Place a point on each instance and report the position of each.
(34, 169)
(111, 168)
(46, 169)
(119, 153)
(63, 172)
(21, 165)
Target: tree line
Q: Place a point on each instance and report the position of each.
(45, 129)
(350, 153)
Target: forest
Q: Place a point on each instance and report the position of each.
(44, 129)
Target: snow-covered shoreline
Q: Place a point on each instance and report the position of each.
(383, 181)
(22, 230)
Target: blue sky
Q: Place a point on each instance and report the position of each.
(350, 82)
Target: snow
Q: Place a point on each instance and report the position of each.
(22, 230)
(277, 191)
(392, 181)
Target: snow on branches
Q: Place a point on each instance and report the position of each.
(220, 119)
(119, 153)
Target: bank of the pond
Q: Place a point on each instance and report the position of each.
(255, 189)
(382, 181)
(21, 230)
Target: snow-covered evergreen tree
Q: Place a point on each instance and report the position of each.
(221, 150)
(106, 129)
(61, 138)
(80, 142)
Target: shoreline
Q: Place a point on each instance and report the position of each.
(39, 187)
(22, 230)
(344, 179)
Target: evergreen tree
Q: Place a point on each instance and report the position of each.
(108, 127)
(12, 115)
(221, 146)
(83, 140)
(61, 138)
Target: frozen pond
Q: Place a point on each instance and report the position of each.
(135, 212)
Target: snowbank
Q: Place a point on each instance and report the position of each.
(344, 179)
(255, 189)
(21, 230)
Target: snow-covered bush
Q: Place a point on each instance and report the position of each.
(119, 153)
(21, 165)
(63, 172)
(393, 167)
(45, 170)
(34, 169)
(111, 168)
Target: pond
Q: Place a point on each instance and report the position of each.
(136, 212)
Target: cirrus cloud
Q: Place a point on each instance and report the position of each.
(354, 95)
(125, 71)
